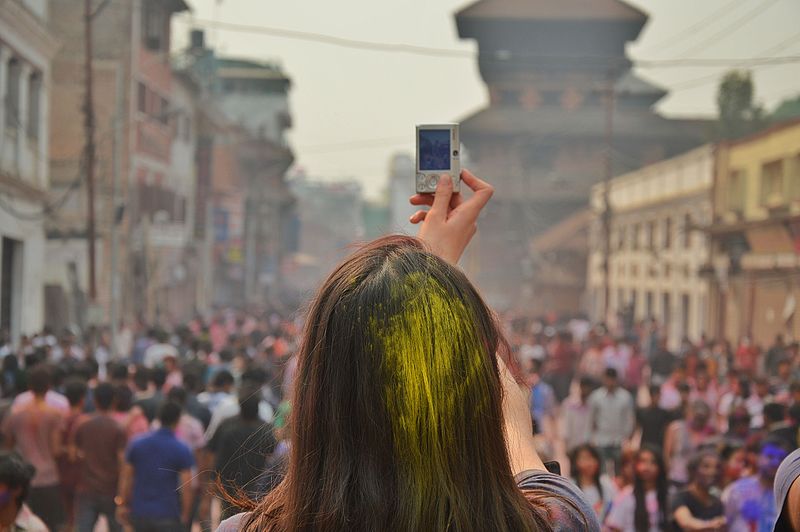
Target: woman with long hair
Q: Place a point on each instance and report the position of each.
(696, 508)
(405, 414)
(642, 507)
(584, 468)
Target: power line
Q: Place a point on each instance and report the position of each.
(334, 40)
(702, 80)
(728, 8)
(505, 58)
(759, 9)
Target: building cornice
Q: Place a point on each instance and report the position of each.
(29, 26)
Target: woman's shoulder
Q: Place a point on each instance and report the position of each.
(232, 524)
(566, 503)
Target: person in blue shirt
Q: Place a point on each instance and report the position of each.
(750, 505)
(155, 490)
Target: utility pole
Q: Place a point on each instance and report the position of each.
(89, 154)
(609, 171)
(116, 217)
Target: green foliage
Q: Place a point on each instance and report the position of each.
(738, 114)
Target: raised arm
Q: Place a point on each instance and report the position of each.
(522, 452)
(451, 222)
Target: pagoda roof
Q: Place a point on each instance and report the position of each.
(570, 234)
(589, 122)
(632, 84)
(550, 10)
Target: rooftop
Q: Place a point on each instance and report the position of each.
(582, 123)
(610, 10)
(246, 68)
(632, 84)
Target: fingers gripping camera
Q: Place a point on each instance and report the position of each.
(438, 153)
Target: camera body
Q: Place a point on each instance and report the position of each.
(438, 153)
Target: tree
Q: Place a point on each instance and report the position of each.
(738, 115)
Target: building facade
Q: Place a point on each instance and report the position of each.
(26, 52)
(253, 208)
(657, 251)
(755, 269)
(133, 83)
(551, 67)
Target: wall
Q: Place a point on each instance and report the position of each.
(258, 113)
(28, 316)
(648, 198)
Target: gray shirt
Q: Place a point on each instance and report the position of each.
(565, 502)
(612, 416)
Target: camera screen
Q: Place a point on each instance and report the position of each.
(434, 149)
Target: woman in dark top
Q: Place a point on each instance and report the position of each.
(696, 508)
(405, 415)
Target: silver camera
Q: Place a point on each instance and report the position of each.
(438, 153)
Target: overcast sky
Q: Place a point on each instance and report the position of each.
(352, 109)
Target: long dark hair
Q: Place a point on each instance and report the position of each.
(641, 519)
(397, 419)
(573, 465)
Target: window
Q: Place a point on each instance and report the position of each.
(648, 304)
(794, 180)
(154, 32)
(34, 110)
(651, 235)
(685, 310)
(772, 184)
(687, 231)
(735, 192)
(667, 233)
(666, 310)
(12, 94)
(620, 238)
(162, 111)
(635, 237)
(142, 98)
(509, 97)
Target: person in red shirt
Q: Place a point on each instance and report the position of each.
(35, 431)
(100, 442)
(746, 358)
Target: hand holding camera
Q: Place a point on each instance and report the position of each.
(451, 222)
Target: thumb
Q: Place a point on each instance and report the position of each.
(441, 200)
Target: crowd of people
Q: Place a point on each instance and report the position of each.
(657, 439)
(686, 440)
(149, 437)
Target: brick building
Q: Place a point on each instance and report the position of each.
(252, 206)
(133, 73)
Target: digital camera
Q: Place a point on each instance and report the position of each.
(438, 153)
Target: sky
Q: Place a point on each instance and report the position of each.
(353, 109)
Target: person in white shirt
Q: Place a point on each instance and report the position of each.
(612, 419)
(156, 353)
